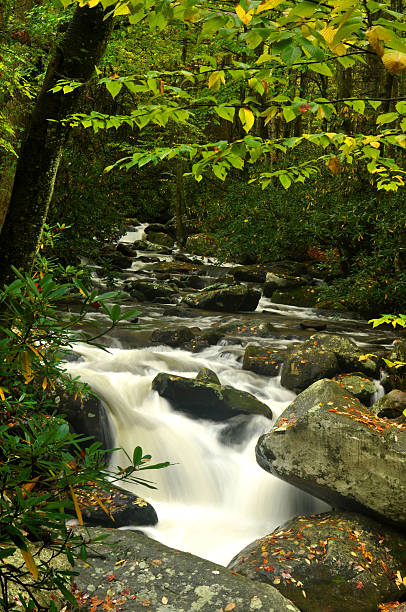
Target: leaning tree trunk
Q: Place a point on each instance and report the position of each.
(80, 50)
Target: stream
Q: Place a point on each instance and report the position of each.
(214, 499)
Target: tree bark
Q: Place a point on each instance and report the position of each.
(180, 204)
(79, 51)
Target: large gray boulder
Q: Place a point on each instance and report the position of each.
(265, 360)
(307, 364)
(232, 298)
(207, 400)
(329, 562)
(281, 283)
(347, 352)
(134, 573)
(151, 290)
(330, 445)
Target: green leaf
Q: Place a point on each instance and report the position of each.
(321, 68)
(137, 455)
(387, 118)
(220, 171)
(114, 87)
(359, 106)
(291, 53)
(225, 112)
(289, 113)
(285, 180)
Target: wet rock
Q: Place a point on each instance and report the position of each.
(313, 324)
(273, 282)
(126, 508)
(145, 245)
(160, 238)
(247, 274)
(229, 299)
(178, 311)
(328, 562)
(86, 416)
(330, 445)
(202, 341)
(201, 244)
(392, 405)
(205, 375)
(360, 387)
(205, 400)
(264, 360)
(125, 249)
(306, 365)
(143, 574)
(301, 296)
(175, 336)
(154, 228)
(151, 289)
(249, 327)
(347, 352)
(119, 261)
(198, 282)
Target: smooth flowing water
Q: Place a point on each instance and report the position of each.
(215, 498)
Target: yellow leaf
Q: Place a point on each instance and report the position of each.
(334, 165)
(26, 365)
(76, 505)
(122, 9)
(30, 563)
(34, 350)
(376, 36)
(244, 16)
(328, 34)
(266, 5)
(229, 606)
(103, 507)
(45, 383)
(2, 396)
(93, 3)
(247, 118)
(29, 486)
(394, 61)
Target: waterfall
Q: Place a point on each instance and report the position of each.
(214, 499)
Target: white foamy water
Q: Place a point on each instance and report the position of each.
(215, 499)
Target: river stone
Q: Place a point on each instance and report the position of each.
(330, 562)
(300, 296)
(175, 336)
(151, 289)
(248, 274)
(274, 283)
(159, 227)
(119, 261)
(347, 353)
(305, 365)
(206, 375)
(86, 416)
(138, 574)
(205, 400)
(391, 405)
(125, 249)
(360, 387)
(160, 238)
(331, 446)
(264, 360)
(126, 508)
(249, 327)
(229, 299)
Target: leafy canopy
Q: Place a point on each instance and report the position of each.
(266, 38)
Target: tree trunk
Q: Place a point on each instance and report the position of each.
(80, 50)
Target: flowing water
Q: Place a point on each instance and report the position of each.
(214, 499)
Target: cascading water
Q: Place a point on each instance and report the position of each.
(215, 498)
